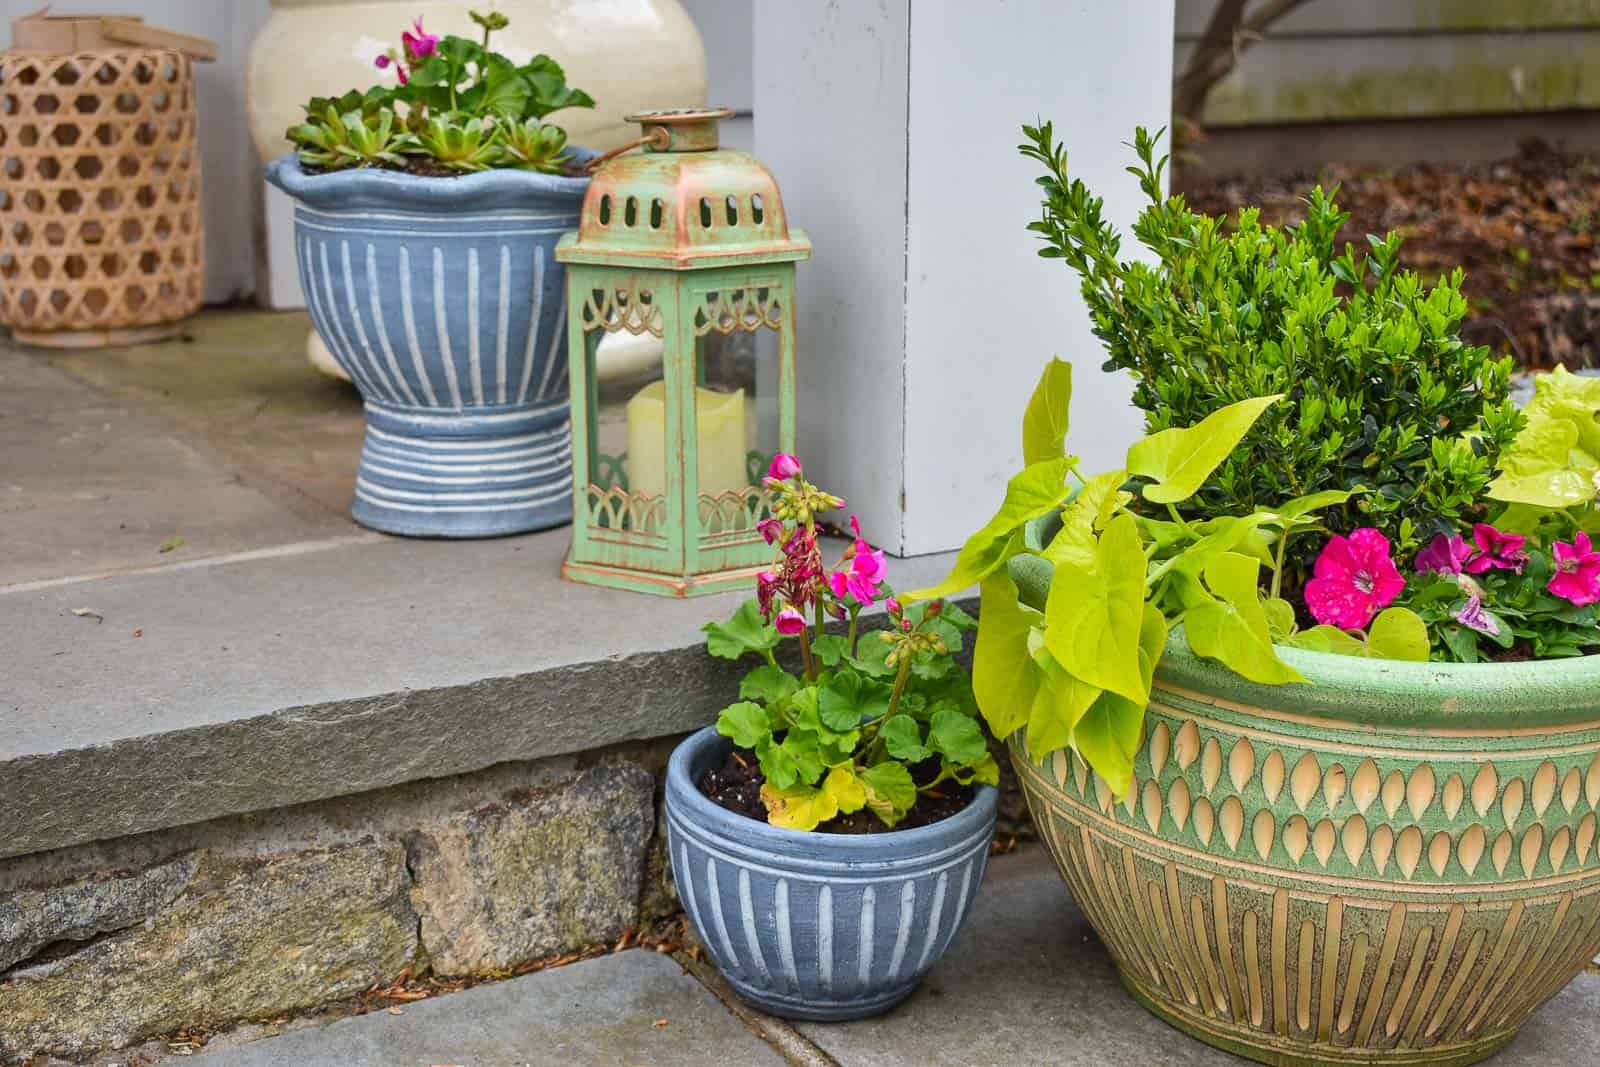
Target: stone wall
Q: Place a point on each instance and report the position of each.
(250, 917)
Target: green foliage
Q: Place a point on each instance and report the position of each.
(355, 138)
(1379, 390)
(465, 107)
(1555, 459)
(1080, 588)
(460, 143)
(533, 145)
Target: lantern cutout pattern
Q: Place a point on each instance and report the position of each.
(687, 242)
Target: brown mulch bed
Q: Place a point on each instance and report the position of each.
(1526, 229)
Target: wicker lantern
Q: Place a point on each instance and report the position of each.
(688, 242)
(100, 230)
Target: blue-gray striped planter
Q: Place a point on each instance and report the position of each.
(813, 925)
(442, 300)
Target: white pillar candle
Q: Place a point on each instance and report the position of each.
(719, 440)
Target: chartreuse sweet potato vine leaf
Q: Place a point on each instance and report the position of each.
(1554, 460)
(1397, 633)
(1044, 422)
(1074, 615)
(1038, 490)
(1178, 461)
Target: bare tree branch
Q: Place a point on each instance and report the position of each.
(1228, 34)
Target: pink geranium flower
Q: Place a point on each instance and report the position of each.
(783, 467)
(770, 530)
(1354, 578)
(419, 45)
(866, 572)
(790, 622)
(1496, 551)
(1577, 577)
(1445, 554)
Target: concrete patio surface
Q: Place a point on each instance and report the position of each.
(1026, 982)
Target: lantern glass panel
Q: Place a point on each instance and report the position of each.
(737, 327)
(628, 453)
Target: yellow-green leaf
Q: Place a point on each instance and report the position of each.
(1398, 633)
(890, 790)
(1092, 617)
(1179, 460)
(1325, 638)
(1087, 513)
(1234, 629)
(800, 807)
(1004, 678)
(1044, 422)
(1038, 490)
(845, 789)
(1280, 617)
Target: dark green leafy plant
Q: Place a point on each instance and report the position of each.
(1379, 390)
(457, 104)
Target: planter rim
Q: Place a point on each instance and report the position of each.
(701, 810)
(358, 187)
(1398, 694)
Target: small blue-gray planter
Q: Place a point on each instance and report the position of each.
(443, 301)
(814, 925)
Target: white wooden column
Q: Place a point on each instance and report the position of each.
(925, 313)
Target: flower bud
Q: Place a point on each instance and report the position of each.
(783, 467)
(934, 607)
(894, 607)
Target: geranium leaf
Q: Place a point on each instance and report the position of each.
(839, 703)
(890, 791)
(830, 649)
(745, 631)
(957, 737)
(768, 684)
(902, 737)
(1044, 422)
(798, 807)
(1179, 460)
(845, 789)
(746, 723)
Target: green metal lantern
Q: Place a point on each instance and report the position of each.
(683, 246)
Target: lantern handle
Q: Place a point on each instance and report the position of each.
(658, 138)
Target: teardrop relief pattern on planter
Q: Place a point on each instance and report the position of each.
(1297, 899)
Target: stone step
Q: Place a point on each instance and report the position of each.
(1027, 981)
(635, 1007)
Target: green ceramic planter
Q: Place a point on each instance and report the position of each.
(1396, 864)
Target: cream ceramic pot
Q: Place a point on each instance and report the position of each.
(630, 55)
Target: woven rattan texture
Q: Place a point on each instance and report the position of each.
(99, 190)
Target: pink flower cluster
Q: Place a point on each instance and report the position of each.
(417, 47)
(798, 580)
(1355, 577)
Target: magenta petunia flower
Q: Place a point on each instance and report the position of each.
(1473, 617)
(783, 467)
(790, 622)
(1496, 551)
(421, 44)
(1577, 577)
(1354, 578)
(1445, 554)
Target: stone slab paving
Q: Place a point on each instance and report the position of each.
(602, 1012)
(1028, 982)
(226, 438)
